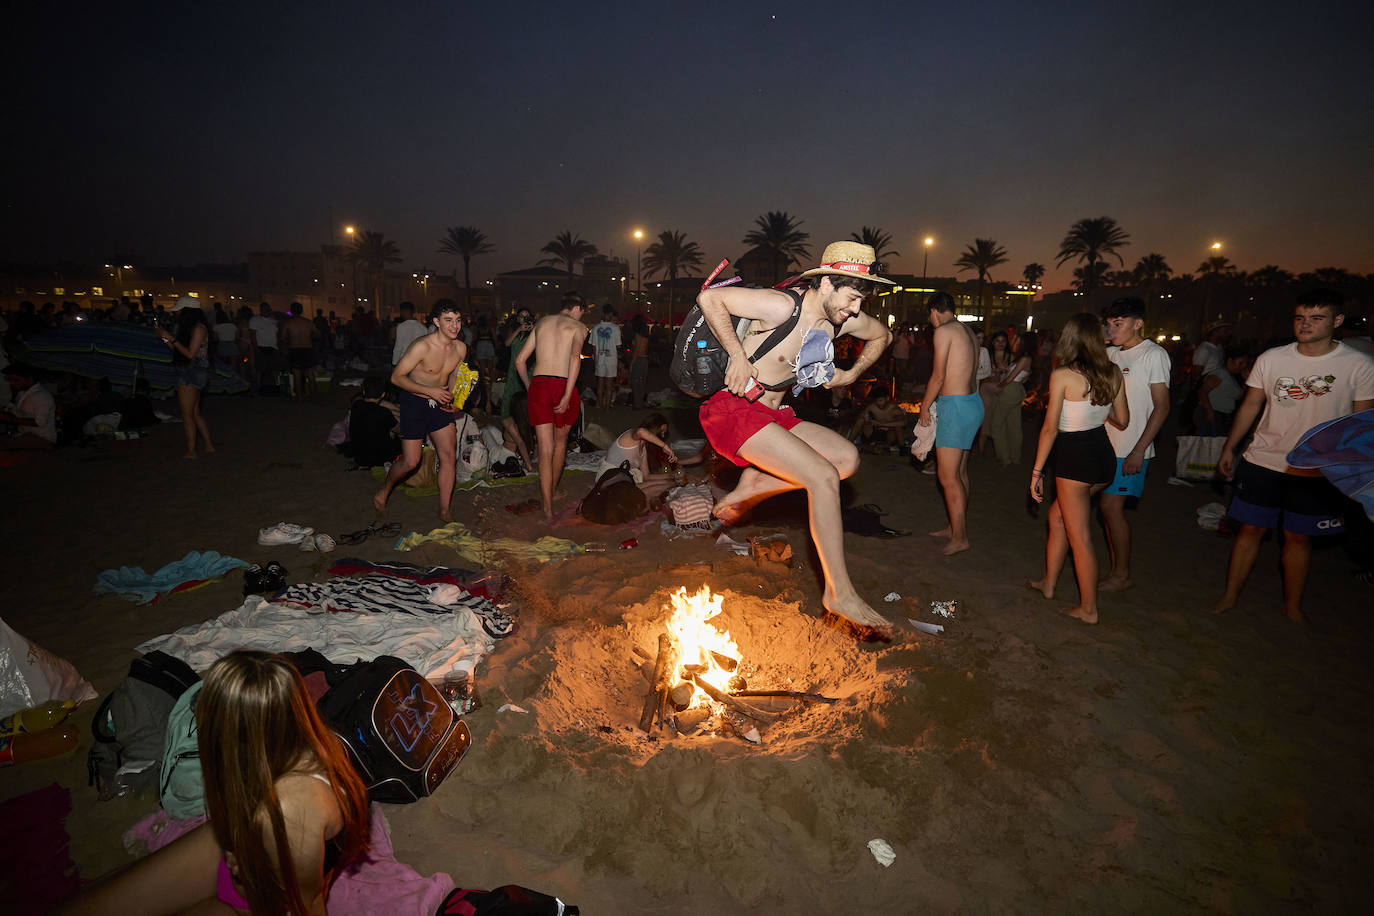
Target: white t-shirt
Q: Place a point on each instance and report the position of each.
(1145, 364)
(37, 404)
(1208, 356)
(1302, 392)
(606, 340)
(407, 332)
(226, 332)
(984, 364)
(265, 331)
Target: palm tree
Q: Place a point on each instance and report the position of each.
(1271, 276)
(465, 241)
(1090, 277)
(1032, 273)
(1088, 240)
(778, 235)
(983, 255)
(374, 251)
(567, 249)
(1151, 271)
(878, 240)
(667, 256)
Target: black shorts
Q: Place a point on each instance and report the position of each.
(1303, 505)
(1085, 456)
(419, 418)
(302, 358)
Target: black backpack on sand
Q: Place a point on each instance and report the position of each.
(616, 498)
(400, 732)
(684, 370)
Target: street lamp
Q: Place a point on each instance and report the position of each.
(639, 281)
(925, 268)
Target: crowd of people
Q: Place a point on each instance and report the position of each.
(1104, 389)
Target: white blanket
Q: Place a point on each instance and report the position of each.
(433, 644)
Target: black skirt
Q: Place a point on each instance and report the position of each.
(1086, 456)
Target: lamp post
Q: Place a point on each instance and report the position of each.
(925, 269)
(348, 231)
(639, 281)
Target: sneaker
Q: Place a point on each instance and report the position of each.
(283, 533)
(323, 543)
(929, 469)
(307, 543)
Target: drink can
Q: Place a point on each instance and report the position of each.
(629, 544)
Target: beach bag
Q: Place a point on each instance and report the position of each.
(472, 451)
(181, 787)
(130, 726)
(616, 498)
(507, 900)
(401, 734)
(700, 371)
(1198, 456)
(426, 474)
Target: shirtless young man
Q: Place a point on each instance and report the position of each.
(301, 337)
(554, 405)
(425, 377)
(778, 451)
(961, 414)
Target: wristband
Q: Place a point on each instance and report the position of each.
(1134, 452)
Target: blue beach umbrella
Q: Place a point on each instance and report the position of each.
(123, 353)
(1343, 450)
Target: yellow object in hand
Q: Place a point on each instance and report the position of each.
(463, 380)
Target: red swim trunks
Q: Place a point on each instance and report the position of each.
(730, 421)
(545, 393)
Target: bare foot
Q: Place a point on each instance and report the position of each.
(736, 505)
(1087, 615)
(856, 611)
(190, 456)
(942, 533)
(209, 449)
(1114, 584)
(379, 501)
(1039, 586)
(1295, 616)
(1221, 605)
(955, 547)
(446, 516)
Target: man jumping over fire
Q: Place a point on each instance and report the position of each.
(778, 451)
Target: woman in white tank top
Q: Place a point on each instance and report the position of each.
(1074, 447)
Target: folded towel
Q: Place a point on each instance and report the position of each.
(815, 362)
(925, 435)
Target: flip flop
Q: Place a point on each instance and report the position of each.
(390, 529)
(356, 537)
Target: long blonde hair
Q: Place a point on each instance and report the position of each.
(257, 723)
(1080, 348)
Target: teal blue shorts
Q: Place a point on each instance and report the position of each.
(957, 420)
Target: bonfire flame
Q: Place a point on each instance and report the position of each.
(697, 637)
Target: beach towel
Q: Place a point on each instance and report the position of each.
(925, 435)
(190, 572)
(1344, 451)
(491, 551)
(432, 643)
(379, 884)
(379, 594)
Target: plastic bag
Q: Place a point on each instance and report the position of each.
(30, 675)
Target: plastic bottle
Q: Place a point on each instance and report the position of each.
(36, 718)
(37, 745)
(703, 361)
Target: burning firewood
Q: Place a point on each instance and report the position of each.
(739, 706)
(657, 688)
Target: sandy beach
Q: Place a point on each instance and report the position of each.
(1165, 760)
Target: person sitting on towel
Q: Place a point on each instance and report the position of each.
(287, 810)
(372, 426)
(629, 446)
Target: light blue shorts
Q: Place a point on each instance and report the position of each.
(957, 420)
(1128, 484)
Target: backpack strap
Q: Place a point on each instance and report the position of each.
(777, 336)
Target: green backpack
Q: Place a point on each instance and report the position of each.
(181, 786)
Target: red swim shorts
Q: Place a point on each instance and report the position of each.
(729, 422)
(545, 393)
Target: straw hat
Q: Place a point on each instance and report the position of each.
(185, 302)
(849, 259)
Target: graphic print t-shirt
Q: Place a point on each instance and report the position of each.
(607, 337)
(1302, 391)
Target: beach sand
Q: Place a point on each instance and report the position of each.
(1164, 760)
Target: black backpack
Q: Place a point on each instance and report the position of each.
(131, 724)
(616, 498)
(686, 370)
(400, 732)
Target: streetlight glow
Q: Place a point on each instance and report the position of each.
(348, 230)
(1216, 246)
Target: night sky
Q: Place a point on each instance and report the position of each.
(208, 130)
